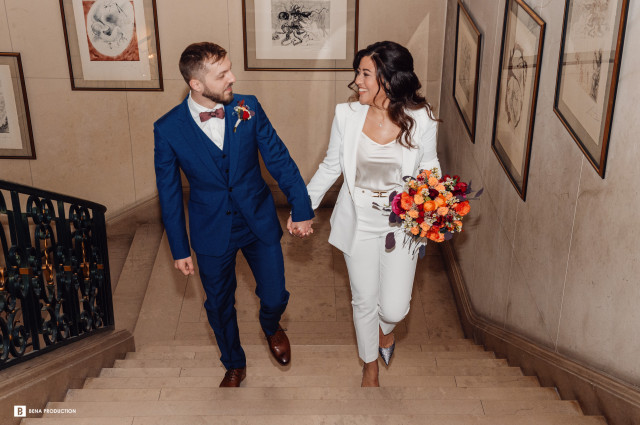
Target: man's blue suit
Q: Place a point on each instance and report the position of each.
(230, 208)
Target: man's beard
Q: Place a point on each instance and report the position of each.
(220, 98)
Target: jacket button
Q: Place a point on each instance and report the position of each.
(230, 189)
(224, 155)
(228, 212)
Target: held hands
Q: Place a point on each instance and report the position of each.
(185, 265)
(301, 229)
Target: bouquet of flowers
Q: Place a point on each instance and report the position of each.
(429, 208)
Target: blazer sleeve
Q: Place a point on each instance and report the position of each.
(282, 167)
(428, 145)
(329, 169)
(170, 192)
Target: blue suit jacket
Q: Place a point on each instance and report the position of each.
(181, 144)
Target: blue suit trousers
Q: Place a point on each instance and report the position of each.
(218, 277)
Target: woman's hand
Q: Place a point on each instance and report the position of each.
(301, 229)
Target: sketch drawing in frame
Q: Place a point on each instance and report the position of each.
(517, 91)
(466, 69)
(588, 68)
(16, 137)
(112, 44)
(300, 35)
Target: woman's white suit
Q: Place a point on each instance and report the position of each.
(381, 281)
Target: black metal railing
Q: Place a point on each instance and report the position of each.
(55, 286)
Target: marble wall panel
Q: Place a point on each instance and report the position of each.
(36, 32)
(182, 24)
(144, 109)
(572, 280)
(600, 317)
(303, 120)
(5, 35)
(83, 143)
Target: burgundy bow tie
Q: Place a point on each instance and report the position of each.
(218, 113)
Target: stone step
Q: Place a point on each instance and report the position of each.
(210, 345)
(305, 354)
(311, 393)
(538, 419)
(166, 408)
(313, 381)
(345, 361)
(310, 371)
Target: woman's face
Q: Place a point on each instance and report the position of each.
(367, 83)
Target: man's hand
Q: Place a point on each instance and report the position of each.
(185, 265)
(301, 229)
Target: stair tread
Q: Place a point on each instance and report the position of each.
(413, 419)
(312, 393)
(308, 407)
(304, 381)
(346, 361)
(356, 370)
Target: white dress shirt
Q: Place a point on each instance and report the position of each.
(213, 127)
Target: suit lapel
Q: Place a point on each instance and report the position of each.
(353, 128)
(196, 139)
(408, 161)
(230, 138)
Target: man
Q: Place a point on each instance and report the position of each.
(214, 137)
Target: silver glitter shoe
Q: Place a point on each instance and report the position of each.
(386, 353)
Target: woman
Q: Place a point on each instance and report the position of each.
(390, 132)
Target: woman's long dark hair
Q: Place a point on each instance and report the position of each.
(395, 75)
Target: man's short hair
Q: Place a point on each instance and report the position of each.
(195, 57)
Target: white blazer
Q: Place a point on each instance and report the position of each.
(341, 158)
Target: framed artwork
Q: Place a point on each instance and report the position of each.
(112, 44)
(16, 137)
(517, 91)
(299, 35)
(466, 69)
(590, 52)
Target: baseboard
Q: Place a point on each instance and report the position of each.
(597, 392)
(47, 378)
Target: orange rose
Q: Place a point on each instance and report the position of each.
(429, 206)
(440, 188)
(433, 182)
(423, 234)
(443, 211)
(413, 213)
(418, 199)
(424, 226)
(435, 236)
(406, 201)
(463, 208)
(440, 201)
(402, 216)
(458, 224)
(448, 196)
(415, 230)
(427, 173)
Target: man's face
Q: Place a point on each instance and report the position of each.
(217, 81)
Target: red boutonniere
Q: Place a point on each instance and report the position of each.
(243, 113)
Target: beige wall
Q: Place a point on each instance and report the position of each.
(561, 268)
(99, 145)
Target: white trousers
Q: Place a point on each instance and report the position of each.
(381, 280)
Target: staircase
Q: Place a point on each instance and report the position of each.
(435, 377)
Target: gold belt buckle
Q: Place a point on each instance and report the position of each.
(379, 194)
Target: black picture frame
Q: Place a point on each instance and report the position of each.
(582, 102)
(133, 65)
(517, 91)
(16, 135)
(269, 49)
(466, 69)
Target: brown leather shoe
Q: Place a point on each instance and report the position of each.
(280, 347)
(233, 377)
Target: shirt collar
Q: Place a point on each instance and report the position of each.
(196, 108)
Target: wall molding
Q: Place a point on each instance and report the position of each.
(597, 392)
